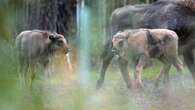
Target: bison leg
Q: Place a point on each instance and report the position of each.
(164, 71)
(166, 80)
(138, 72)
(193, 52)
(178, 64)
(175, 60)
(33, 74)
(189, 60)
(23, 71)
(29, 75)
(69, 62)
(107, 57)
(124, 71)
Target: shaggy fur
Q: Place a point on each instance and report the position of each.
(36, 47)
(141, 45)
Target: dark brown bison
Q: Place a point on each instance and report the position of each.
(140, 46)
(176, 15)
(36, 47)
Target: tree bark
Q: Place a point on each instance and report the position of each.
(52, 15)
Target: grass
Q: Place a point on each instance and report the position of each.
(113, 72)
(8, 76)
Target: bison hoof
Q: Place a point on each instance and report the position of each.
(139, 85)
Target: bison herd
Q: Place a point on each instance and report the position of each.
(161, 30)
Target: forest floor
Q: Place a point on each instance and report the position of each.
(62, 95)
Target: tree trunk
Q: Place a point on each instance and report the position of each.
(52, 15)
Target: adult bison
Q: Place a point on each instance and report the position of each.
(176, 15)
(36, 47)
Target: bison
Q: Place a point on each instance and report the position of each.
(141, 45)
(36, 47)
(176, 15)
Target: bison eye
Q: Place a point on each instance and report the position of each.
(121, 43)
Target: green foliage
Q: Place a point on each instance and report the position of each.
(8, 57)
(8, 76)
(7, 18)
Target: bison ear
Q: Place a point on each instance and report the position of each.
(52, 37)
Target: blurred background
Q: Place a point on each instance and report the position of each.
(85, 23)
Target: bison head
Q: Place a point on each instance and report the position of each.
(57, 42)
(119, 42)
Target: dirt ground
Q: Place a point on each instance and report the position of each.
(60, 95)
(64, 92)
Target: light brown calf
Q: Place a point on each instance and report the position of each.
(141, 45)
(37, 47)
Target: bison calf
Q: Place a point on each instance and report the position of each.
(141, 45)
(36, 47)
